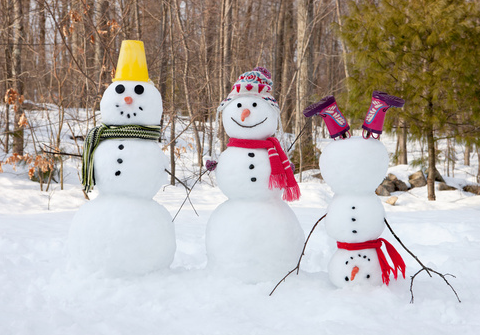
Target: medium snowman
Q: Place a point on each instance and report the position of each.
(123, 231)
(254, 235)
(353, 167)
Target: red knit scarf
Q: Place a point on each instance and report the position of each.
(282, 175)
(397, 260)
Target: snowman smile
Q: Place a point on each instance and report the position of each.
(244, 126)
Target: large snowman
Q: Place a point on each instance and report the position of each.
(254, 235)
(124, 231)
(353, 167)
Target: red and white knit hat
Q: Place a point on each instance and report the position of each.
(257, 83)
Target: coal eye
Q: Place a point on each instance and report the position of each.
(139, 89)
(120, 89)
(254, 104)
(239, 105)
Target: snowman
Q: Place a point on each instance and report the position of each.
(123, 231)
(254, 235)
(353, 167)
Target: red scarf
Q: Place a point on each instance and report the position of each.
(282, 175)
(397, 260)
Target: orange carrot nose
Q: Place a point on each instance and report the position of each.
(128, 100)
(354, 272)
(245, 114)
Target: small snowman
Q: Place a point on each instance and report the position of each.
(124, 231)
(254, 235)
(353, 167)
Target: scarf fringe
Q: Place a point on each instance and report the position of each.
(291, 193)
(277, 181)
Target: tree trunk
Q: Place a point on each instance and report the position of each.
(137, 20)
(172, 99)
(101, 7)
(466, 155)
(227, 57)
(6, 35)
(303, 83)
(186, 69)
(285, 100)
(344, 49)
(478, 171)
(402, 142)
(18, 40)
(431, 165)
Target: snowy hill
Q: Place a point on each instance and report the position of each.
(41, 294)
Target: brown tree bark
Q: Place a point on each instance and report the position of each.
(18, 40)
(431, 165)
(185, 77)
(466, 155)
(285, 99)
(303, 83)
(402, 142)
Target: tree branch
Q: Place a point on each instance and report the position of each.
(424, 268)
(297, 268)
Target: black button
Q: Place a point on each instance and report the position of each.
(121, 147)
(118, 173)
(251, 166)
(251, 154)
(353, 219)
(120, 161)
(354, 231)
(254, 179)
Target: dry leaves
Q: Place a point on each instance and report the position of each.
(41, 163)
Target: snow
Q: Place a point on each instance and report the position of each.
(40, 294)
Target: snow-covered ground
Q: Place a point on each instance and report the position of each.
(41, 294)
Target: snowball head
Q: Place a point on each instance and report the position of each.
(355, 218)
(244, 174)
(131, 102)
(121, 236)
(250, 117)
(130, 167)
(359, 267)
(253, 241)
(354, 165)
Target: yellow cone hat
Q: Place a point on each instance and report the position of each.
(132, 62)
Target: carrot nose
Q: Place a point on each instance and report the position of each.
(354, 272)
(245, 114)
(128, 100)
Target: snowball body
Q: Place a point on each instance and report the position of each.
(235, 170)
(260, 124)
(354, 165)
(121, 236)
(130, 167)
(253, 240)
(343, 261)
(355, 218)
(144, 109)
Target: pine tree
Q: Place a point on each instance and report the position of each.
(426, 52)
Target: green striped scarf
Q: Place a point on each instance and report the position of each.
(105, 132)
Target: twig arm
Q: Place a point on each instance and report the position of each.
(424, 268)
(297, 268)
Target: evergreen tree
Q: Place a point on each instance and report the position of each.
(426, 52)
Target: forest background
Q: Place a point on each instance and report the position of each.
(60, 55)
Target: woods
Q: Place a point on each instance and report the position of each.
(60, 55)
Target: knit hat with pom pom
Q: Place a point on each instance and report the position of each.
(257, 82)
